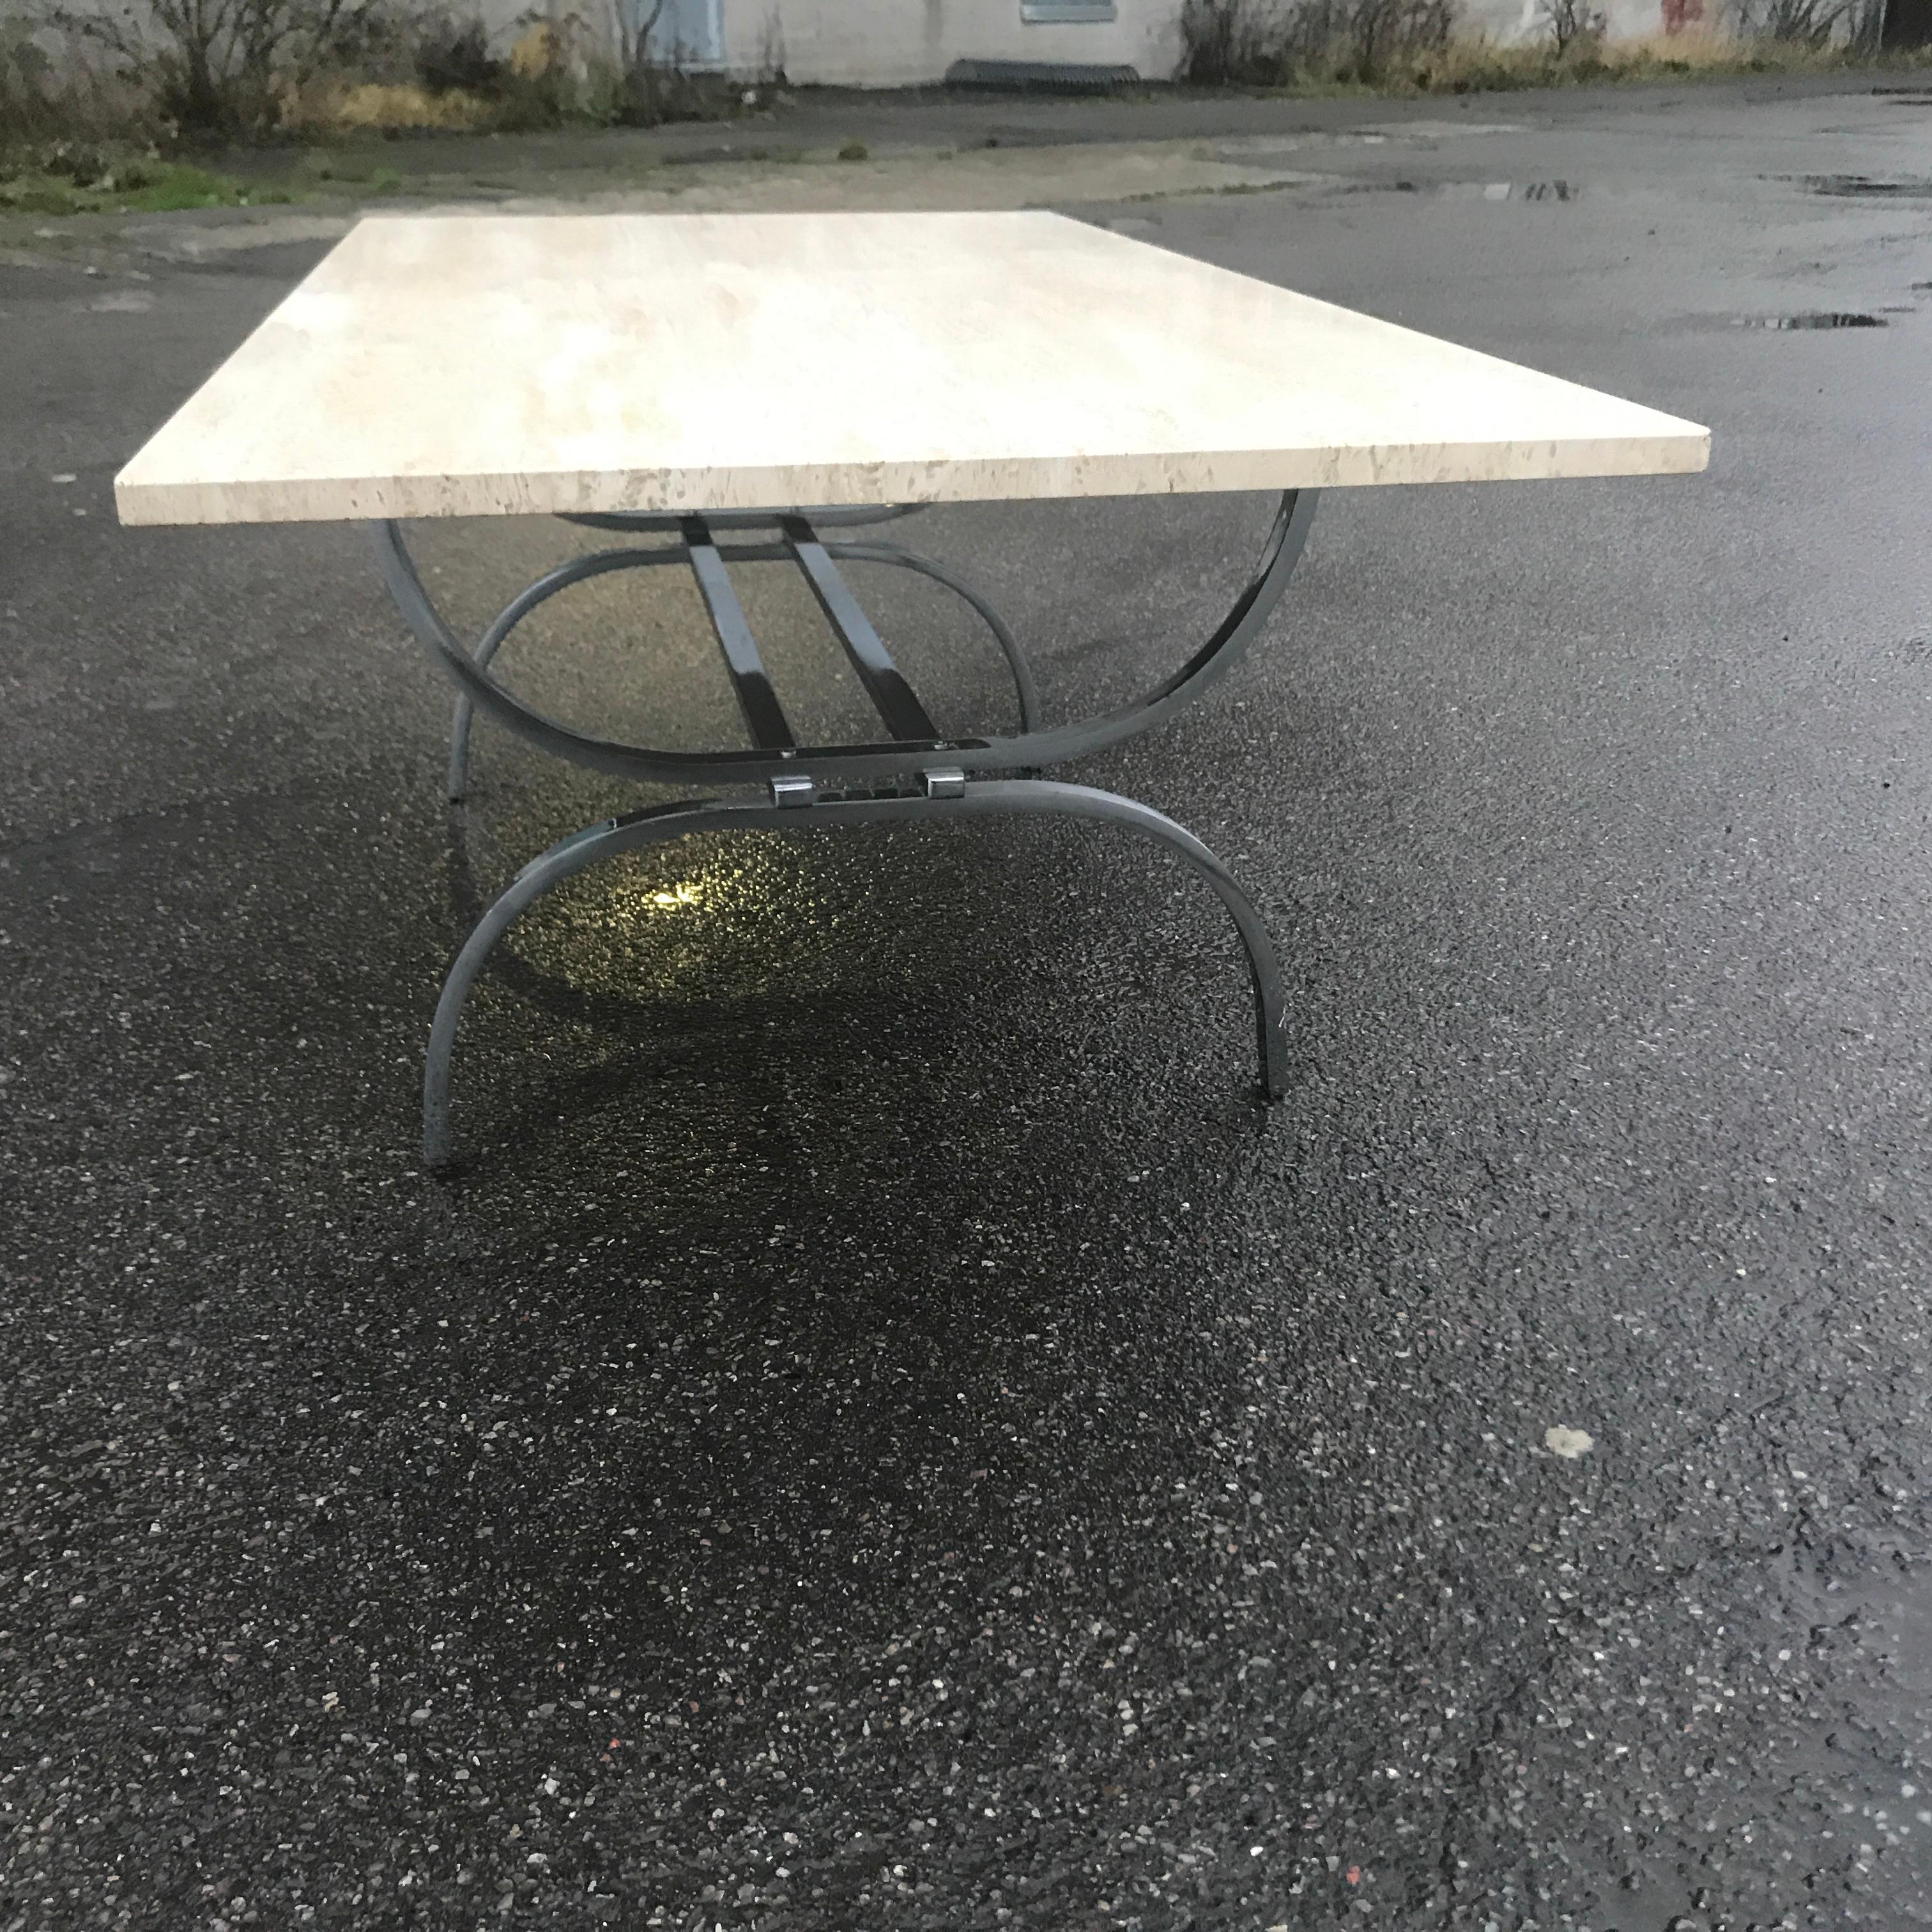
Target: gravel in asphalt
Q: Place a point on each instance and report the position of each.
(884, 1433)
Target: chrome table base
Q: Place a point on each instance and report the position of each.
(912, 773)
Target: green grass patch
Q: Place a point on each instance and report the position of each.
(62, 180)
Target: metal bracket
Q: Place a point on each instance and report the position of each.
(799, 790)
(945, 782)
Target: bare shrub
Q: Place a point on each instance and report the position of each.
(654, 84)
(1816, 24)
(51, 91)
(1808, 23)
(1274, 43)
(1375, 37)
(224, 67)
(452, 56)
(1230, 42)
(27, 85)
(1570, 24)
(600, 71)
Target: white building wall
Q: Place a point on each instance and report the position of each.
(1502, 20)
(904, 43)
(907, 42)
(1509, 22)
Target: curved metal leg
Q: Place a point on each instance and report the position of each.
(1048, 795)
(1029, 749)
(577, 570)
(567, 855)
(657, 824)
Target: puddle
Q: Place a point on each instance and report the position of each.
(1471, 190)
(1441, 130)
(1870, 187)
(1377, 134)
(1818, 319)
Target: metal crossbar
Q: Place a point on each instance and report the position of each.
(915, 773)
(904, 715)
(750, 682)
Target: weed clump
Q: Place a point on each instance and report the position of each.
(1407, 47)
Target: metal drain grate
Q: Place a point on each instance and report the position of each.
(1042, 76)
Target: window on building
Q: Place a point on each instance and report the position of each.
(1069, 12)
(685, 33)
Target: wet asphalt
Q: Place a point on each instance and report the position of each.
(884, 1432)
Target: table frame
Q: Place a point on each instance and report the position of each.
(914, 774)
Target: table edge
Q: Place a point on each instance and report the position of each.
(1675, 451)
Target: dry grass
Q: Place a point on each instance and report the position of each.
(340, 107)
(173, 72)
(1471, 65)
(1408, 47)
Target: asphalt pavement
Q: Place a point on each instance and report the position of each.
(884, 1432)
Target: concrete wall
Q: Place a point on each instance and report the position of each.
(902, 42)
(907, 42)
(1509, 21)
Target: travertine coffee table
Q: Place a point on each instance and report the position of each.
(682, 375)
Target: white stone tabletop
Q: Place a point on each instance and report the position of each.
(483, 365)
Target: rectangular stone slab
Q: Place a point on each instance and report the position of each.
(479, 365)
